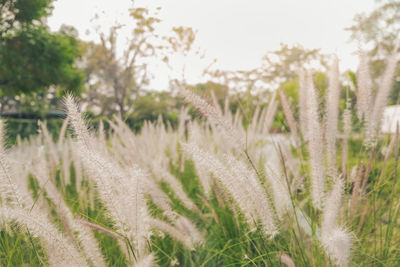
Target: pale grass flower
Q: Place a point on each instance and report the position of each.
(315, 145)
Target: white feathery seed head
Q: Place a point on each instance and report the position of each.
(289, 117)
(59, 249)
(241, 183)
(146, 261)
(332, 206)
(120, 189)
(286, 259)
(315, 145)
(303, 103)
(215, 117)
(335, 240)
(77, 122)
(270, 114)
(381, 99)
(364, 88)
(280, 191)
(9, 191)
(332, 118)
(189, 229)
(86, 240)
(173, 232)
(337, 244)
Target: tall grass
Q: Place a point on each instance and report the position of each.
(212, 192)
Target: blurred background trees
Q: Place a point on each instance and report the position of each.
(38, 66)
(33, 59)
(115, 78)
(380, 32)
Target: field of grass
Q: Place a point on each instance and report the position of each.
(209, 193)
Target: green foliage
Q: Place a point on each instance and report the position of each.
(291, 89)
(23, 129)
(151, 106)
(17, 248)
(31, 57)
(34, 59)
(30, 10)
(229, 240)
(23, 12)
(206, 89)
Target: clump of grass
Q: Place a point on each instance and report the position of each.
(212, 193)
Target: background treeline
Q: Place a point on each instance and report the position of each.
(38, 66)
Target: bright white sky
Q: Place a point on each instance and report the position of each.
(235, 32)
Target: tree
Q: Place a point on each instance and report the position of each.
(283, 65)
(277, 67)
(180, 45)
(119, 77)
(154, 105)
(380, 30)
(31, 57)
(206, 90)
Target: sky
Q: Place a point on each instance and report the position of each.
(237, 33)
